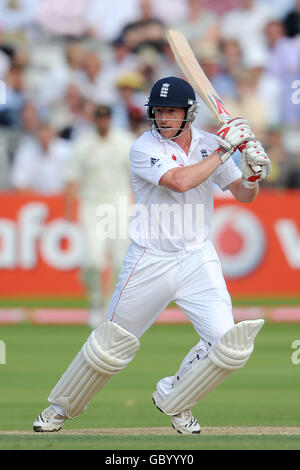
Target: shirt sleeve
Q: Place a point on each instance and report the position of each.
(150, 167)
(23, 168)
(227, 174)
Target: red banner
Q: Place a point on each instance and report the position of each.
(39, 250)
(258, 244)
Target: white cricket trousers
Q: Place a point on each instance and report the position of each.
(95, 246)
(149, 281)
(96, 250)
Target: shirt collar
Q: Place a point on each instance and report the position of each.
(197, 134)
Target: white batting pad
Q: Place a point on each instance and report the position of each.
(106, 352)
(231, 353)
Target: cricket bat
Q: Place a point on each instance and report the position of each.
(195, 75)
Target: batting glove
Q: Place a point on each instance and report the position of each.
(225, 150)
(232, 135)
(255, 164)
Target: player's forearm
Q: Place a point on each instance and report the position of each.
(247, 195)
(188, 177)
(241, 193)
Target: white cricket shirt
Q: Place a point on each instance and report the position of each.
(38, 170)
(100, 166)
(165, 220)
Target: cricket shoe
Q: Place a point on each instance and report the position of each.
(184, 422)
(48, 421)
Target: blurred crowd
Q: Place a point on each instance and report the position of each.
(60, 60)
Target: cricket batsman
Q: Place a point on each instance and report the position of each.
(174, 167)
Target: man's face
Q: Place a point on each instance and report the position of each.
(246, 4)
(30, 118)
(274, 31)
(103, 124)
(45, 136)
(169, 120)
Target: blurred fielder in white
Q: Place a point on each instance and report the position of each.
(171, 258)
(98, 173)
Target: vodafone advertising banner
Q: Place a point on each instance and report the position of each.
(40, 251)
(258, 244)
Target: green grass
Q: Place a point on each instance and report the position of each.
(265, 301)
(91, 442)
(82, 302)
(264, 393)
(43, 302)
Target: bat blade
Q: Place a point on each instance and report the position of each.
(195, 75)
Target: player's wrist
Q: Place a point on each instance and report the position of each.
(249, 184)
(224, 151)
(220, 157)
(224, 156)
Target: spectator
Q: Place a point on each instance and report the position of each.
(231, 63)
(169, 12)
(167, 65)
(93, 82)
(131, 100)
(267, 88)
(146, 31)
(39, 165)
(11, 57)
(64, 114)
(121, 61)
(15, 98)
(149, 63)
(231, 55)
(137, 121)
(249, 104)
(292, 21)
(4, 64)
(29, 124)
(278, 156)
(65, 18)
(201, 26)
(283, 62)
(12, 138)
(5, 150)
(98, 173)
(246, 24)
(106, 19)
(64, 74)
(280, 7)
(17, 19)
(222, 7)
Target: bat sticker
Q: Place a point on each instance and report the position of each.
(219, 106)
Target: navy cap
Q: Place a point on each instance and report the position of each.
(171, 91)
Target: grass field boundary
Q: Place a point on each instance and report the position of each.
(79, 316)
